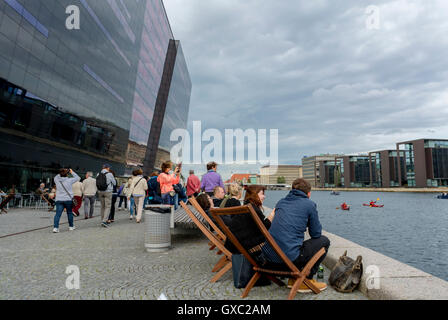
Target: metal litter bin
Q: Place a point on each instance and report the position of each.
(157, 228)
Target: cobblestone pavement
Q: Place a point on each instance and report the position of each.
(113, 263)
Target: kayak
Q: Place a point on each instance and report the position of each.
(442, 196)
(347, 209)
(334, 193)
(373, 206)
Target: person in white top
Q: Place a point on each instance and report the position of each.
(89, 191)
(139, 185)
(77, 195)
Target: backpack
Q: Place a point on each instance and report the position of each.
(101, 182)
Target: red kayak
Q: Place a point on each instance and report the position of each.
(373, 205)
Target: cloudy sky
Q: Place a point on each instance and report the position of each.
(315, 71)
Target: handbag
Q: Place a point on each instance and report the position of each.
(243, 271)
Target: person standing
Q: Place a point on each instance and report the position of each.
(122, 196)
(105, 183)
(211, 179)
(114, 201)
(139, 185)
(89, 191)
(166, 181)
(64, 197)
(77, 194)
(193, 185)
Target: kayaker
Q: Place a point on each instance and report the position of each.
(372, 203)
(344, 206)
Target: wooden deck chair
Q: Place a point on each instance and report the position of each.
(291, 270)
(215, 228)
(225, 263)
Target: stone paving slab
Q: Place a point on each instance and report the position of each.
(114, 264)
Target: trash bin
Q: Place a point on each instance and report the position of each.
(157, 228)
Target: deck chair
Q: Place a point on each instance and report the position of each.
(206, 217)
(291, 269)
(215, 228)
(225, 263)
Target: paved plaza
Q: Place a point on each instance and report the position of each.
(113, 263)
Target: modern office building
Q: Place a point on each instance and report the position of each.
(384, 172)
(353, 171)
(426, 162)
(111, 91)
(286, 173)
(312, 168)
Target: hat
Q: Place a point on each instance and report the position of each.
(106, 165)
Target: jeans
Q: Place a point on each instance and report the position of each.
(167, 199)
(308, 250)
(60, 205)
(112, 207)
(131, 207)
(125, 200)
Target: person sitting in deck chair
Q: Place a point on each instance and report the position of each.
(293, 215)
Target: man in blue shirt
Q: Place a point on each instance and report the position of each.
(293, 215)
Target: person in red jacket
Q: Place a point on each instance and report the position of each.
(193, 185)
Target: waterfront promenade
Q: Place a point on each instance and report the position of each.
(114, 264)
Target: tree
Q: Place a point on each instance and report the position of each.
(281, 180)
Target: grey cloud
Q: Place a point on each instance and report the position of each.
(313, 70)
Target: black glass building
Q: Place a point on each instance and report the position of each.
(80, 98)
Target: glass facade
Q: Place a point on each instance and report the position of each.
(80, 98)
(410, 165)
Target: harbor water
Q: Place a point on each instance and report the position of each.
(411, 227)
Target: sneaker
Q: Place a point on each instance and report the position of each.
(303, 288)
(131, 217)
(55, 230)
(72, 228)
(105, 225)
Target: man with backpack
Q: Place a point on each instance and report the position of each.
(105, 183)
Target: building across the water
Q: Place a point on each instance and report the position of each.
(312, 168)
(110, 92)
(384, 168)
(282, 174)
(426, 163)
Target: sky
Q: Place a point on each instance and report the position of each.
(330, 76)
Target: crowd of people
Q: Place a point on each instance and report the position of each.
(69, 194)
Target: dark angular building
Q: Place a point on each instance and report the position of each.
(111, 91)
(426, 162)
(384, 168)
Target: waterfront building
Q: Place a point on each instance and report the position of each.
(286, 174)
(354, 171)
(384, 168)
(312, 168)
(426, 162)
(244, 178)
(111, 91)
